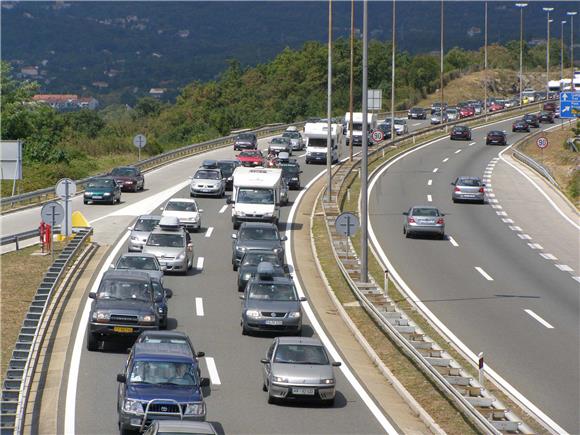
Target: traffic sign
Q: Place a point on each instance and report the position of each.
(542, 142)
(52, 213)
(66, 188)
(140, 141)
(569, 104)
(377, 135)
(346, 224)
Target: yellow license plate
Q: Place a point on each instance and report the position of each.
(122, 329)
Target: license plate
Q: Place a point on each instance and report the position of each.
(468, 195)
(124, 329)
(303, 391)
(427, 221)
(97, 197)
(205, 190)
(274, 322)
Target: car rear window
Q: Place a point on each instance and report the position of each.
(180, 206)
(272, 292)
(137, 263)
(430, 212)
(258, 234)
(146, 224)
(166, 240)
(471, 182)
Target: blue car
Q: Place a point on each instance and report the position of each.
(160, 382)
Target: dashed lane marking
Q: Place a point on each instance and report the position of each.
(212, 370)
(535, 246)
(457, 152)
(471, 144)
(548, 256)
(429, 183)
(501, 213)
(576, 278)
(429, 198)
(200, 261)
(538, 318)
(446, 159)
(564, 267)
(515, 228)
(209, 232)
(483, 273)
(525, 236)
(508, 221)
(199, 307)
(224, 208)
(435, 170)
(452, 241)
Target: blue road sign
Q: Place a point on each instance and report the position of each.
(569, 104)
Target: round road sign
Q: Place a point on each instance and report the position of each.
(346, 224)
(542, 142)
(66, 188)
(52, 213)
(377, 135)
(140, 141)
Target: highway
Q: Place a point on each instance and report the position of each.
(488, 281)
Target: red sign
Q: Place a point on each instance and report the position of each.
(542, 142)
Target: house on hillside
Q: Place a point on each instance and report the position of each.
(157, 92)
(66, 102)
(29, 71)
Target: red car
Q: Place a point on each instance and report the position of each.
(251, 158)
(494, 107)
(466, 111)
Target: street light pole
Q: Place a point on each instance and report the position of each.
(364, 273)
(521, 6)
(441, 61)
(548, 10)
(351, 78)
(571, 15)
(393, 74)
(329, 107)
(562, 50)
(485, 64)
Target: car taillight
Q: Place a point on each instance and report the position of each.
(411, 220)
(440, 221)
(481, 190)
(457, 189)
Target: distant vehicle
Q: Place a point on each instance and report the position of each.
(169, 427)
(437, 118)
(141, 230)
(424, 220)
(494, 107)
(291, 173)
(172, 245)
(103, 189)
(477, 108)
(466, 111)
(385, 127)
(554, 86)
(271, 304)
(251, 158)
(417, 113)
(186, 210)
(496, 137)
(298, 368)
(357, 126)
(546, 117)
(246, 141)
(436, 106)
(160, 382)
(520, 125)
(296, 140)
(452, 114)
(249, 265)
(292, 128)
(228, 167)
(401, 127)
(279, 144)
(317, 139)
(529, 94)
(129, 178)
(468, 189)
(549, 106)
(460, 132)
(207, 182)
(256, 235)
(209, 164)
(532, 120)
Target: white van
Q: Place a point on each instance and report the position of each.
(256, 195)
(316, 134)
(357, 126)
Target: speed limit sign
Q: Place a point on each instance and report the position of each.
(542, 142)
(377, 135)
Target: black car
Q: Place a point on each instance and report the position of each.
(246, 141)
(532, 120)
(228, 167)
(546, 117)
(160, 295)
(496, 137)
(129, 178)
(291, 173)
(417, 113)
(520, 125)
(460, 132)
(124, 306)
(256, 235)
(385, 127)
(249, 265)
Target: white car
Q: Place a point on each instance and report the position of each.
(401, 126)
(186, 210)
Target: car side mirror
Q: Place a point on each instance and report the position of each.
(200, 210)
(405, 213)
(130, 228)
(336, 364)
(163, 268)
(111, 266)
(229, 201)
(200, 354)
(264, 361)
(158, 299)
(204, 382)
(121, 378)
(283, 238)
(92, 296)
(168, 293)
(234, 236)
(302, 298)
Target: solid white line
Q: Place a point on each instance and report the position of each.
(435, 170)
(199, 307)
(445, 159)
(429, 183)
(471, 144)
(224, 208)
(457, 152)
(452, 241)
(212, 370)
(564, 267)
(491, 195)
(508, 221)
(414, 125)
(515, 228)
(488, 186)
(209, 232)
(199, 265)
(429, 198)
(493, 201)
(539, 319)
(524, 236)
(548, 256)
(535, 246)
(576, 278)
(483, 273)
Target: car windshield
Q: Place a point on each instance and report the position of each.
(207, 175)
(164, 373)
(123, 289)
(181, 206)
(227, 168)
(101, 183)
(471, 182)
(146, 224)
(272, 292)
(291, 134)
(124, 172)
(452, 111)
(250, 154)
(138, 263)
(289, 169)
(400, 122)
(166, 240)
(460, 129)
(250, 233)
(416, 110)
(496, 133)
(279, 140)
(245, 137)
(253, 259)
(425, 211)
(300, 354)
(255, 196)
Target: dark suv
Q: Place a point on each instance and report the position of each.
(246, 141)
(546, 117)
(123, 307)
(460, 132)
(496, 137)
(160, 382)
(417, 113)
(256, 235)
(532, 120)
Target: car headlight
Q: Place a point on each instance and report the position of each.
(246, 276)
(294, 314)
(268, 214)
(87, 193)
(107, 194)
(195, 409)
(147, 318)
(241, 213)
(294, 178)
(327, 381)
(252, 313)
(180, 256)
(277, 250)
(279, 379)
(134, 238)
(133, 406)
(241, 248)
(101, 316)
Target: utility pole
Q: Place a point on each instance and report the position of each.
(393, 73)
(329, 108)
(562, 50)
(485, 64)
(351, 108)
(364, 274)
(571, 15)
(521, 6)
(441, 61)
(548, 10)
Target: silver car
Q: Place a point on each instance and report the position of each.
(436, 118)
(279, 144)
(207, 182)
(141, 230)
(172, 246)
(424, 220)
(299, 368)
(468, 189)
(184, 427)
(296, 140)
(140, 261)
(452, 114)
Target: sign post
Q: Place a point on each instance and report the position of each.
(65, 190)
(542, 143)
(52, 213)
(480, 356)
(140, 141)
(346, 224)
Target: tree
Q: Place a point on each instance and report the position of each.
(147, 106)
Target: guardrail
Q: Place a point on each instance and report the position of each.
(21, 368)
(536, 166)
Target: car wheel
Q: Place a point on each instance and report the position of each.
(92, 342)
(192, 195)
(163, 324)
(234, 266)
(245, 330)
(442, 236)
(454, 200)
(264, 388)
(86, 202)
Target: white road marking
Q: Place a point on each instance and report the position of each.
(535, 246)
(452, 241)
(488, 186)
(564, 267)
(429, 198)
(491, 195)
(496, 206)
(301, 155)
(224, 208)
(199, 307)
(471, 144)
(457, 152)
(212, 370)
(429, 183)
(548, 256)
(445, 159)
(414, 125)
(483, 273)
(524, 236)
(508, 221)
(576, 278)
(200, 261)
(539, 319)
(493, 201)
(209, 232)
(435, 170)
(501, 213)
(515, 228)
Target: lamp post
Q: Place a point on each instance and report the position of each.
(393, 75)
(562, 50)
(548, 10)
(521, 6)
(364, 272)
(571, 15)
(485, 64)
(441, 61)
(351, 78)
(329, 107)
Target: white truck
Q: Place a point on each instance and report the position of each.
(554, 86)
(256, 195)
(357, 126)
(316, 134)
